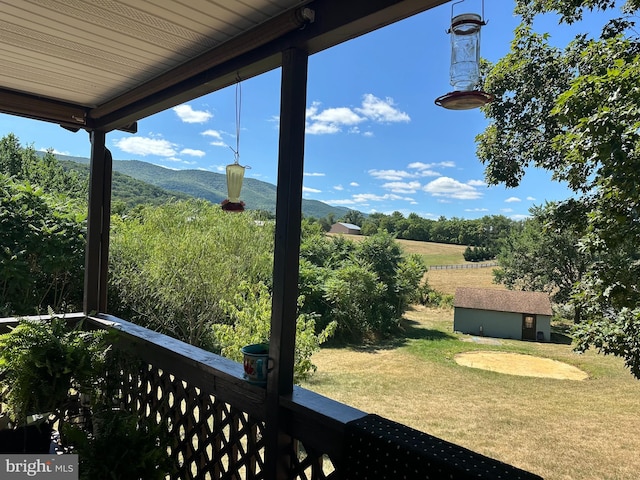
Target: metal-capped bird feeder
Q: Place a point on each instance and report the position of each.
(235, 171)
(465, 63)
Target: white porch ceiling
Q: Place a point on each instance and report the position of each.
(107, 63)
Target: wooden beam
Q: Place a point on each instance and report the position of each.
(38, 108)
(286, 254)
(98, 224)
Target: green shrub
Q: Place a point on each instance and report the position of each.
(172, 267)
(365, 287)
(42, 239)
(123, 446)
(250, 321)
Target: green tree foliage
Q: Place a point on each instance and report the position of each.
(544, 256)
(574, 112)
(354, 217)
(364, 286)
(197, 273)
(487, 231)
(478, 254)
(327, 221)
(171, 266)
(249, 314)
(42, 239)
(44, 171)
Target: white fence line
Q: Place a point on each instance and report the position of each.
(463, 265)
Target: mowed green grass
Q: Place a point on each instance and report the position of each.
(559, 429)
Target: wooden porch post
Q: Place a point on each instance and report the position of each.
(96, 262)
(293, 99)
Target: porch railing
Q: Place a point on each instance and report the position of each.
(217, 421)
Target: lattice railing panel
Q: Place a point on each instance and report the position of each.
(309, 464)
(211, 439)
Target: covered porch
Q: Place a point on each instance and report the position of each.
(103, 66)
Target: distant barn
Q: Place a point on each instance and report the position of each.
(502, 313)
(346, 228)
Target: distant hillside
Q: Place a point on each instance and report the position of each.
(257, 195)
(129, 190)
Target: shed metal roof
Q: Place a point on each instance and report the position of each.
(350, 226)
(104, 64)
(536, 303)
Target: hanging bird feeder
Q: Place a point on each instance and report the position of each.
(235, 176)
(235, 171)
(465, 63)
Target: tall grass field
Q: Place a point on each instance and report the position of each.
(559, 429)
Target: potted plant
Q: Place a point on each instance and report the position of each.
(52, 374)
(44, 368)
(123, 446)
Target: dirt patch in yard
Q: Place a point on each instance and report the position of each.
(519, 364)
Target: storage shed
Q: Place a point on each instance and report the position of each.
(346, 228)
(502, 313)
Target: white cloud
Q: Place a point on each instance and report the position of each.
(313, 174)
(447, 164)
(519, 217)
(54, 151)
(338, 187)
(310, 190)
(217, 136)
(512, 200)
(449, 188)
(531, 199)
(192, 152)
(339, 116)
(391, 175)
(429, 173)
(332, 120)
(363, 199)
(506, 210)
(354, 184)
(381, 111)
(477, 183)
(425, 169)
(321, 129)
(189, 115)
(476, 209)
(146, 146)
(372, 197)
(402, 187)
(428, 166)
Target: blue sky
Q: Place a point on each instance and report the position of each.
(375, 141)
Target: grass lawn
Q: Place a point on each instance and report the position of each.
(559, 429)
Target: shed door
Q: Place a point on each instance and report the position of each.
(528, 327)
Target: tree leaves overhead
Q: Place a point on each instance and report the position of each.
(526, 84)
(576, 113)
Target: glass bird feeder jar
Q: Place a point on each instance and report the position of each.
(464, 71)
(465, 51)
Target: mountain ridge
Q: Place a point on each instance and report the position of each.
(211, 186)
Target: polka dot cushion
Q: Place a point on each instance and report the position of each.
(379, 449)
